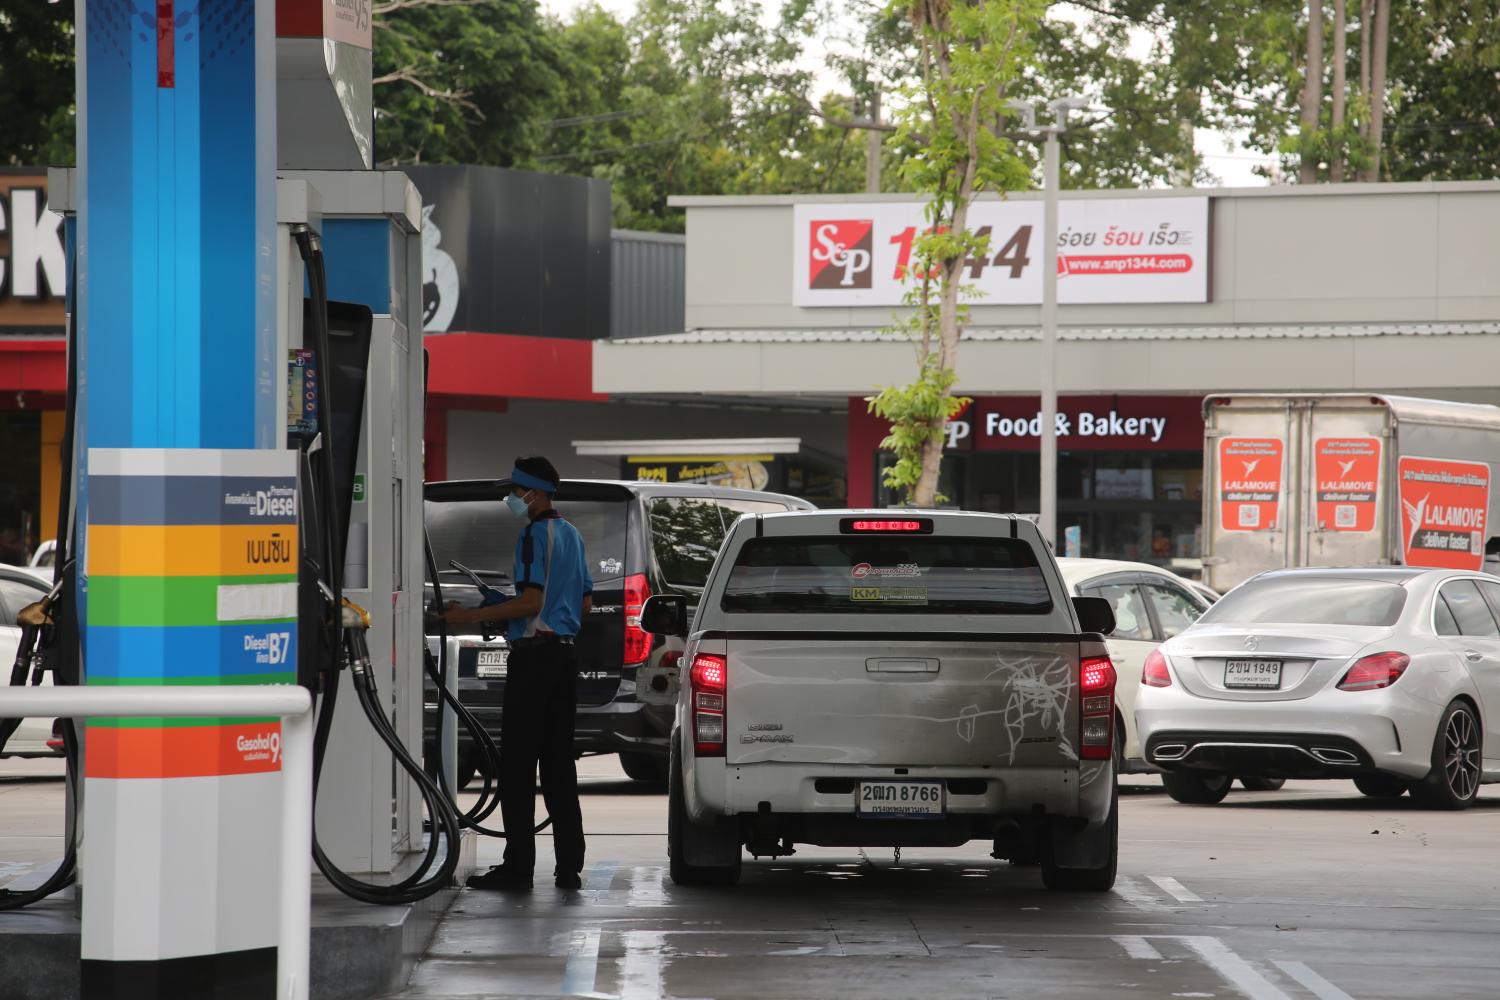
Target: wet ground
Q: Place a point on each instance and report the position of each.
(1313, 891)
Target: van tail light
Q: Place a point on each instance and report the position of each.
(1097, 687)
(709, 679)
(637, 640)
(1378, 670)
(1155, 673)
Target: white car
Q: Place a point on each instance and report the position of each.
(891, 678)
(1388, 676)
(1151, 605)
(18, 588)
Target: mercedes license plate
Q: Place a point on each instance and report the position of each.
(900, 799)
(491, 663)
(1252, 674)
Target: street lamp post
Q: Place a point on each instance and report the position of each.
(1047, 509)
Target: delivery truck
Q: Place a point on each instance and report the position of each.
(1346, 479)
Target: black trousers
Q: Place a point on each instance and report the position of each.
(541, 699)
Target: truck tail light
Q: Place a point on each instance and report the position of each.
(886, 526)
(1097, 688)
(1378, 670)
(1155, 673)
(637, 640)
(709, 680)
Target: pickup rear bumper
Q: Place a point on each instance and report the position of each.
(829, 792)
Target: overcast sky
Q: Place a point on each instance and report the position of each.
(1231, 162)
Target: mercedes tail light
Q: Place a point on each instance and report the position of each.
(709, 681)
(637, 640)
(1155, 673)
(1097, 687)
(1378, 670)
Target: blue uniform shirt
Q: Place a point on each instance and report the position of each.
(550, 557)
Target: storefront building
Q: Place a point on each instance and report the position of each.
(33, 374)
(1165, 296)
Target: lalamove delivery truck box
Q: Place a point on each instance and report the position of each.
(1343, 479)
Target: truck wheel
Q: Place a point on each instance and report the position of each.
(1456, 771)
(1197, 789)
(1100, 879)
(688, 842)
(1262, 784)
(1380, 786)
(650, 767)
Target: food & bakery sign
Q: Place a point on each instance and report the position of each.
(1108, 250)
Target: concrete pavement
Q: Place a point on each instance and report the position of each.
(1313, 891)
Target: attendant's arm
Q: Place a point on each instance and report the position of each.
(526, 604)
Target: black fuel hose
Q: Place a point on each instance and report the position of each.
(350, 645)
(60, 599)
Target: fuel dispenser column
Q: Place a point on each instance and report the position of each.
(190, 524)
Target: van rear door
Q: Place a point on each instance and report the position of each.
(892, 649)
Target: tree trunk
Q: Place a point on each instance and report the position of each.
(1366, 30)
(1340, 57)
(1381, 47)
(1312, 91)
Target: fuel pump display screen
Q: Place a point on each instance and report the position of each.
(349, 326)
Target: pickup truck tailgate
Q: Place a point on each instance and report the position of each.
(997, 700)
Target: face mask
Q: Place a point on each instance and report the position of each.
(517, 505)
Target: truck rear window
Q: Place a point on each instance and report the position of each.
(886, 575)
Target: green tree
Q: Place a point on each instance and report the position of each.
(972, 55)
(466, 82)
(36, 83)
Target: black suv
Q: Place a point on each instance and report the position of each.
(641, 539)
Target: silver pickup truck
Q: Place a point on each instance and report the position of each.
(891, 679)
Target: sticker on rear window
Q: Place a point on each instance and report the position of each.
(610, 567)
(889, 595)
(861, 571)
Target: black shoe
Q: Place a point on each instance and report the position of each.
(500, 879)
(569, 880)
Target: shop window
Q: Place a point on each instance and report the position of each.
(1131, 621)
(1175, 609)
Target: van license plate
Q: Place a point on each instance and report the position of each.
(1252, 674)
(900, 799)
(491, 663)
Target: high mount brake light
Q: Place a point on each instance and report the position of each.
(709, 681)
(886, 526)
(637, 639)
(1378, 670)
(1155, 673)
(1096, 683)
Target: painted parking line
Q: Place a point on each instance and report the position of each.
(1175, 889)
(1138, 947)
(601, 875)
(582, 969)
(1235, 970)
(648, 888)
(641, 968)
(1138, 895)
(1316, 984)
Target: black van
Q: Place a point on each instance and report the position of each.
(641, 539)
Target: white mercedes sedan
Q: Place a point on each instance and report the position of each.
(1387, 676)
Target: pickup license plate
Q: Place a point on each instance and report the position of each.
(491, 663)
(900, 799)
(1252, 674)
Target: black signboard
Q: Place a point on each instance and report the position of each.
(508, 251)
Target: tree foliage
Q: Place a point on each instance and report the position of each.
(36, 83)
(971, 55)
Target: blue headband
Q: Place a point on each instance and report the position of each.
(520, 477)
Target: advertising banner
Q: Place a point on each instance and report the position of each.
(1250, 483)
(1444, 505)
(1348, 475)
(1108, 250)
